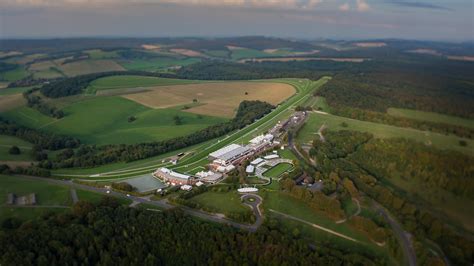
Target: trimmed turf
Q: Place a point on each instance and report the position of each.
(278, 170)
(221, 202)
(315, 121)
(431, 117)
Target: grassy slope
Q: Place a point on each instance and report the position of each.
(221, 201)
(431, 117)
(157, 64)
(28, 117)
(7, 141)
(238, 54)
(440, 141)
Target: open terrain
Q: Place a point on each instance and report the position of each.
(220, 99)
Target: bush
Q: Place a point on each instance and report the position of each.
(14, 150)
(463, 143)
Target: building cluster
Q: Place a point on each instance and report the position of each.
(13, 199)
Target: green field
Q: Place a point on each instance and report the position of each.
(14, 75)
(100, 54)
(120, 82)
(47, 195)
(238, 54)
(104, 120)
(315, 121)
(158, 63)
(217, 53)
(278, 170)
(6, 142)
(431, 117)
(95, 197)
(221, 202)
(16, 90)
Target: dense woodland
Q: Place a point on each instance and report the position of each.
(36, 102)
(368, 162)
(111, 235)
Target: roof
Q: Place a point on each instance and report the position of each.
(256, 161)
(224, 150)
(174, 174)
(249, 169)
(230, 153)
(272, 156)
(247, 189)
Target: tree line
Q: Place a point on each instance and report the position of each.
(35, 101)
(109, 234)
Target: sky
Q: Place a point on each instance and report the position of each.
(445, 20)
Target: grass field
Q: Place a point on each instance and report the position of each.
(221, 202)
(90, 66)
(123, 82)
(241, 53)
(157, 64)
(431, 117)
(217, 53)
(215, 98)
(6, 142)
(14, 75)
(96, 197)
(315, 121)
(112, 126)
(100, 54)
(278, 170)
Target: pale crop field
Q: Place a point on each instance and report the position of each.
(8, 102)
(90, 66)
(215, 99)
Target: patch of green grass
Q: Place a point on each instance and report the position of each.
(238, 54)
(28, 117)
(156, 64)
(278, 170)
(431, 117)
(6, 142)
(26, 214)
(96, 197)
(14, 75)
(46, 194)
(119, 82)
(112, 126)
(217, 53)
(315, 121)
(287, 154)
(16, 90)
(221, 202)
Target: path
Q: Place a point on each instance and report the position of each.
(74, 195)
(315, 226)
(255, 206)
(403, 237)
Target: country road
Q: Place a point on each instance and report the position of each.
(161, 203)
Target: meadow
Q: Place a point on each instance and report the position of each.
(110, 121)
(221, 202)
(157, 64)
(431, 117)
(220, 99)
(14, 75)
(83, 67)
(332, 122)
(240, 53)
(6, 142)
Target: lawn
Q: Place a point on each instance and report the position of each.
(278, 170)
(315, 121)
(129, 81)
(287, 154)
(156, 64)
(112, 126)
(6, 142)
(431, 117)
(221, 202)
(95, 197)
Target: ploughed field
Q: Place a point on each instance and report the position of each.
(219, 99)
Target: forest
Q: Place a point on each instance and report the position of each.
(108, 234)
(367, 161)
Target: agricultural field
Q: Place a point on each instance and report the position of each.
(157, 64)
(241, 53)
(332, 122)
(101, 54)
(278, 170)
(125, 82)
(431, 117)
(90, 66)
(217, 53)
(214, 98)
(11, 101)
(6, 142)
(14, 75)
(112, 126)
(221, 202)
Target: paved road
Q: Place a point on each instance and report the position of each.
(402, 236)
(161, 203)
(74, 195)
(255, 205)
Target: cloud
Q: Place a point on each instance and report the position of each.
(362, 5)
(417, 5)
(280, 4)
(345, 7)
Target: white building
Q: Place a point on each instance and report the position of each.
(209, 176)
(271, 156)
(186, 187)
(256, 161)
(250, 169)
(228, 154)
(168, 175)
(261, 139)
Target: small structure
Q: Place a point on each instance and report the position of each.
(199, 183)
(11, 199)
(247, 190)
(256, 161)
(186, 187)
(271, 156)
(209, 176)
(225, 169)
(168, 175)
(250, 169)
